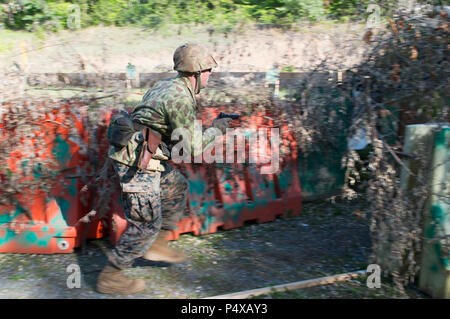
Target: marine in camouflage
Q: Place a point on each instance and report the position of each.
(154, 199)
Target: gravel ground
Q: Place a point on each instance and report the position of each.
(326, 239)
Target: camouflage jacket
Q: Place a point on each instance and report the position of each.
(168, 105)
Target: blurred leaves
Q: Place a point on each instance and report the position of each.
(23, 14)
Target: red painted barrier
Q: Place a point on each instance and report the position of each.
(221, 195)
(46, 221)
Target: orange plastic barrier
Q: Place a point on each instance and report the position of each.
(48, 222)
(221, 195)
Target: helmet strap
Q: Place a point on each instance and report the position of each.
(198, 82)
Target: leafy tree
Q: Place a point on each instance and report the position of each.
(25, 14)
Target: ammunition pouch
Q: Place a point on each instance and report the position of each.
(120, 129)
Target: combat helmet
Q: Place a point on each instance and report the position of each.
(192, 58)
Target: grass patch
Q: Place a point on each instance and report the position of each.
(18, 277)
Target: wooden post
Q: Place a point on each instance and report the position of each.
(434, 277)
(291, 286)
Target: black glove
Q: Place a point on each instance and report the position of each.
(221, 124)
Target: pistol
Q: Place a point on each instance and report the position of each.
(233, 116)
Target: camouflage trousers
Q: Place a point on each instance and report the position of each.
(152, 201)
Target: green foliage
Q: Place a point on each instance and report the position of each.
(60, 11)
(288, 68)
(107, 12)
(155, 14)
(283, 11)
(6, 46)
(28, 14)
(342, 8)
(222, 14)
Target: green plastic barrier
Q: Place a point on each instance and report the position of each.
(320, 171)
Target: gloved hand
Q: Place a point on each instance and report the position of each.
(221, 124)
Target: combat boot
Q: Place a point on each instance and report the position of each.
(112, 281)
(160, 250)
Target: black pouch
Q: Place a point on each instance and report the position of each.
(120, 129)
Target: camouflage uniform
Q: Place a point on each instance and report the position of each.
(153, 200)
(156, 205)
